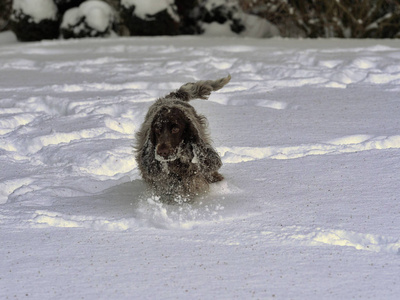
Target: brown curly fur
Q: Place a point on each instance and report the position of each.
(173, 149)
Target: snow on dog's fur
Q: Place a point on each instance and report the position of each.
(173, 148)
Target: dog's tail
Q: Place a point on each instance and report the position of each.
(198, 90)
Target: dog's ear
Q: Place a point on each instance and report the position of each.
(191, 134)
(152, 135)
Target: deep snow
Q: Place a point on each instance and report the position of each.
(309, 134)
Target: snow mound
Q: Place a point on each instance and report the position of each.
(150, 17)
(91, 19)
(34, 20)
(43, 218)
(38, 10)
(348, 144)
(146, 9)
(226, 18)
(338, 237)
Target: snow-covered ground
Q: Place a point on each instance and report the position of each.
(309, 134)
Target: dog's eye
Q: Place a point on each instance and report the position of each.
(175, 129)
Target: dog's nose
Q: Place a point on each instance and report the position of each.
(163, 151)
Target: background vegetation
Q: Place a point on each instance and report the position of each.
(293, 18)
(330, 18)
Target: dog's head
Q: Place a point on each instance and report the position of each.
(170, 130)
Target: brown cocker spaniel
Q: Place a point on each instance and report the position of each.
(173, 148)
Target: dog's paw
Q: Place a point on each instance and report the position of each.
(216, 177)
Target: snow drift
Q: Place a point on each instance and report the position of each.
(309, 134)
